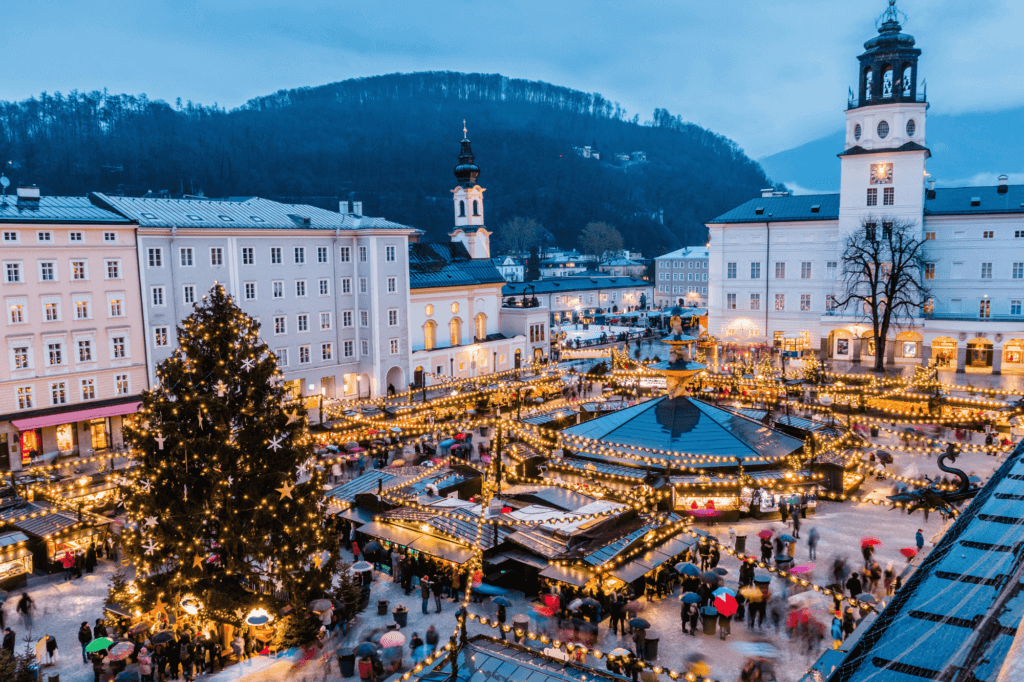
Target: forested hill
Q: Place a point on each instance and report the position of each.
(392, 141)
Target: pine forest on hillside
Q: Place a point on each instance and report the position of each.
(391, 142)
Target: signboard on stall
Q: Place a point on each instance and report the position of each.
(653, 382)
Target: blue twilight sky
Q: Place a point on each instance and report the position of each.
(770, 75)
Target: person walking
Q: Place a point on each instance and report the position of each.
(694, 615)
(796, 523)
(437, 587)
(766, 550)
(854, 586)
(919, 539)
(9, 641)
(25, 606)
(848, 623)
(425, 592)
(502, 617)
(639, 639)
(84, 637)
(145, 665)
(812, 543)
(90, 558)
(837, 630)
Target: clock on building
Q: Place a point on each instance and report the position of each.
(881, 173)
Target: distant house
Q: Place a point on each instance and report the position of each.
(682, 278)
(511, 269)
(624, 267)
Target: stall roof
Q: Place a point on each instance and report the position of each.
(654, 558)
(465, 531)
(566, 574)
(443, 478)
(598, 468)
(801, 423)
(45, 526)
(13, 538)
(517, 555)
(357, 514)
(421, 542)
(759, 477)
(367, 483)
(549, 416)
(548, 495)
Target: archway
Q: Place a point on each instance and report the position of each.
(396, 380)
(908, 347)
(979, 353)
(867, 346)
(537, 354)
(518, 358)
(418, 376)
(840, 344)
(364, 386)
(944, 351)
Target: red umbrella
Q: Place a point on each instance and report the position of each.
(765, 534)
(870, 541)
(726, 604)
(460, 436)
(909, 552)
(802, 568)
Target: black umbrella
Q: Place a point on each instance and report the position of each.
(639, 623)
(371, 547)
(366, 649)
(589, 601)
(721, 571)
(710, 576)
(162, 637)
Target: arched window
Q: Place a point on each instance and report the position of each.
(430, 335)
(462, 209)
(908, 80)
(455, 327)
(887, 80)
(481, 326)
(869, 81)
(476, 208)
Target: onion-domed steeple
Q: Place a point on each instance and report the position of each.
(888, 67)
(466, 171)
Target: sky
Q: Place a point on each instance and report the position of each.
(769, 75)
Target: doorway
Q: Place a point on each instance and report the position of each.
(327, 387)
(519, 358)
(99, 430)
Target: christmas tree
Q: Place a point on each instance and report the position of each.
(225, 492)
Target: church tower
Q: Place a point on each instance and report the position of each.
(884, 161)
(468, 198)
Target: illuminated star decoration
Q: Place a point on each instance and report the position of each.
(151, 546)
(318, 561)
(160, 441)
(293, 417)
(197, 561)
(239, 613)
(221, 388)
(150, 521)
(275, 443)
(248, 364)
(231, 480)
(286, 490)
(146, 485)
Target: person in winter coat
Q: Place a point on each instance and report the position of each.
(639, 638)
(812, 543)
(100, 629)
(425, 592)
(145, 665)
(766, 550)
(90, 558)
(502, 617)
(837, 631)
(848, 623)
(238, 647)
(173, 658)
(853, 585)
(889, 578)
(437, 586)
(432, 638)
(51, 657)
(796, 524)
(84, 637)
(9, 640)
(919, 538)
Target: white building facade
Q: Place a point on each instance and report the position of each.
(776, 262)
(681, 278)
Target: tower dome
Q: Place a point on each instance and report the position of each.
(888, 67)
(466, 171)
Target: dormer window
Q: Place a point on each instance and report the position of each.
(194, 218)
(975, 201)
(816, 208)
(257, 219)
(226, 218)
(759, 210)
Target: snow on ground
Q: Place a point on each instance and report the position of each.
(594, 332)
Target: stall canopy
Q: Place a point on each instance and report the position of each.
(565, 574)
(421, 542)
(654, 558)
(79, 416)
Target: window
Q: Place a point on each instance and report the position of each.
(85, 351)
(10, 237)
(82, 310)
(76, 236)
(303, 322)
(1018, 270)
(55, 354)
(988, 234)
(389, 254)
(275, 255)
(300, 254)
(282, 356)
(1015, 306)
(929, 270)
(17, 313)
(886, 230)
(79, 270)
(393, 317)
(394, 346)
(929, 235)
(189, 293)
(830, 268)
(158, 295)
(303, 355)
(755, 301)
(730, 301)
(780, 301)
(869, 231)
(887, 196)
(346, 285)
(1017, 234)
(13, 271)
(362, 285)
(280, 325)
(345, 254)
(480, 325)
(349, 348)
(730, 271)
(326, 351)
(805, 302)
(44, 237)
(455, 331)
(325, 287)
(325, 321)
(120, 349)
(985, 309)
(300, 288)
(216, 255)
(248, 255)
(755, 271)
(110, 237)
(278, 289)
(47, 271)
(121, 386)
(58, 393)
(392, 285)
(113, 269)
(321, 254)
(830, 303)
(872, 196)
(365, 344)
(362, 254)
(346, 318)
(805, 270)
(156, 258)
(21, 357)
(780, 271)
(24, 397)
(187, 259)
(250, 291)
(116, 307)
(986, 271)
(88, 389)
(52, 311)
(364, 318)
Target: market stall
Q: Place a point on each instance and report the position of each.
(15, 560)
(53, 533)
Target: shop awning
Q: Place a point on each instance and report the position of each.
(653, 558)
(574, 576)
(421, 542)
(357, 514)
(75, 416)
(516, 555)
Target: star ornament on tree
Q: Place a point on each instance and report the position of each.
(248, 364)
(197, 561)
(275, 443)
(293, 417)
(151, 546)
(150, 521)
(146, 485)
(286, 490)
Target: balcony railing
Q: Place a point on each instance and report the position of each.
(964, 317)
(854, 102)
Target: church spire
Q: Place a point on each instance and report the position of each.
(466, 171)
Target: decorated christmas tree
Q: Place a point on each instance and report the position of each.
(224, 494)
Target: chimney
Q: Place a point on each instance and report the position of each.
(930, 194)
(767, 192)
(1003, 187)
(343, 207)
(357, 208)
(30, 193)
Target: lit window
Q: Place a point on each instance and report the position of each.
(52, 312)
(116, 307)
(280, 326)
(79, 270)
(82, 310)
(988, 234)
(325, 321)
(113, 269)
(780, 301)
(929, 270)
(88, 389)
(21, 357)
(85, 351)
(394, 346)
(58, 393)
(326, 351)
(55, 354)
(805, 302)
(24, 397)
(929, 235)
(303, 355)
(121, 386)
(780, 271)
(120, 348)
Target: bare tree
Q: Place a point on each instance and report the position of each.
(599, 240)
(882, 276)
(518, 234)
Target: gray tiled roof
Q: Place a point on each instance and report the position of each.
(250, 213)
(907, 147)
(558, 285)
(957, 200)
(448, 264)
(57, 210)
(787, 208)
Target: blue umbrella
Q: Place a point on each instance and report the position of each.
(690, 598)
(787, 538)
(688, 569)
(366, 649)
(724, 590)
(447, 443)
(502, 601)
(484, 588)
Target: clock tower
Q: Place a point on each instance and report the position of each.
(884, 160)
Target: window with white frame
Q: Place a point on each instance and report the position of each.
(1015, 306)
(55, 354)
(730, 271)
(346, 285)
(986, 271)
(119, 347)
(157, 296)
(393, 317)
(121, 385)
(24, 397)
(187, 257)
(362, 254)
(88, 389)
(280, 325)
(216, 255)
(113, 269)
(362, 285)
(58, 393)
(730, 301)
(51, 311)
(248, 255)
(365, 347)
(79, 270)
(11, 237)
(21, 357)
(780, 301)
(831, 267)
(303, 355)
(81, 308)
(389, 253)
(84, 350)
(189, 293)
(325, 321)
(347, 348)
(805, 270)
(326, 351)
(394, 346)
(275, 255)
(344, 254)
(346, 318)
(282, 356)
(364, 318)
(110, 237)
(805, 302)
(250, 291)
(12, 272)
(300, 288)
(160, 337)
(755, 301)
(44, 237)
(392, 285)
(156, 257)
(300, 254)
(278, 288)
(116, 307)
(321, 254)
(302, 320)
(780, 271)
(325, 287)
(47, 271)
(1018, 270)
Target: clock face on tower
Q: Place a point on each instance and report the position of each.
(881, 173)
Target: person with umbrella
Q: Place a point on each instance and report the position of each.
(639, 637)
(766, 549)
